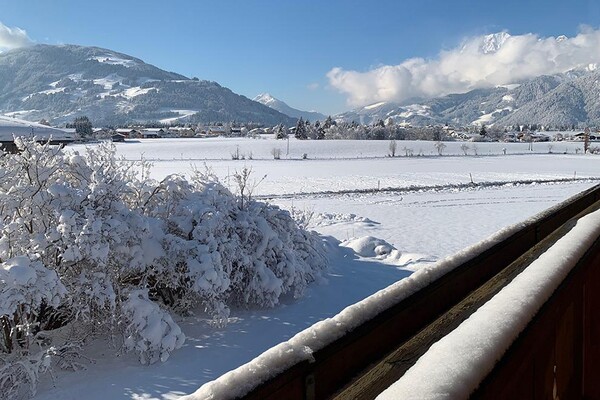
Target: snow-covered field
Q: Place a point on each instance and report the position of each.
(425, 207)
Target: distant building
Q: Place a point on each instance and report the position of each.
(102, 132)
(540, 137)
(511, 136)
(181, 131)
(461, 135)
(218, 131)
(581, 136)
(255, 131)
(11, 127)
(118, 138)
(128, 132)
(70, 131)
(152, 133)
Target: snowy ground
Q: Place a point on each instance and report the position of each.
(422, 224)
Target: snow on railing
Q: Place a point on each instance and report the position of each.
(454, 366)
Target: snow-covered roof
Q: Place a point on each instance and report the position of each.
(10, 127)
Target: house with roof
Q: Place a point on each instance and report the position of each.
(118, 138)
(216, 131)
(152, 133)
(128, 132)
(181, 131)
(12, 127)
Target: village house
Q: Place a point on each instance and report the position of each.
(118, 138)
(237, 131)
(217, 131)
(581, 136)
(129, 132)
(181, 131)
(152, 133)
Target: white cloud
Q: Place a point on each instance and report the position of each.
(483, 61)
(313, 86)
(12, 38)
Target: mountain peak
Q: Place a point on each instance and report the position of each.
(493, 42)
(282, 107)
(266, 99)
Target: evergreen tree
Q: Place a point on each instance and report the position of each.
(281, 132)
(82, 125)
(320, 133)
(301, 130)
(483, 131)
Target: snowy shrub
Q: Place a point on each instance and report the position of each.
(26, 288)
(91, 243)
(276, 153)
(393, 146)
(151, 331)
(439, 146)
(303, 217)
(20, 373)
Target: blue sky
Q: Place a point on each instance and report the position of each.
(288, 48)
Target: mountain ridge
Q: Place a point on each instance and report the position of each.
(59, 83)
(567, 99)
(282, 107)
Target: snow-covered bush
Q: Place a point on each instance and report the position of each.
(90, 242)
(151, 331)
(26, 288)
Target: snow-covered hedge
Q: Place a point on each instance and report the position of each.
(90, 242)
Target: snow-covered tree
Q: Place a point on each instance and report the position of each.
(301, 132)
(281, 132)
(91, 244)
(82, 126)
(440, 147)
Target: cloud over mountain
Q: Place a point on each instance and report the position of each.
(479, 62)
(12, 38)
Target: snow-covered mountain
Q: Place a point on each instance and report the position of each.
(58, 83)
(282, 107)
(493, 42)
(572, 98)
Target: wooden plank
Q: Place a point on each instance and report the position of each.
(558, 330)
(591, 331)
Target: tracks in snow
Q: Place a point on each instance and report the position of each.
(430, 188)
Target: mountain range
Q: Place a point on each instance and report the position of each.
(561, 100)
(282, 107)
(59, 83)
